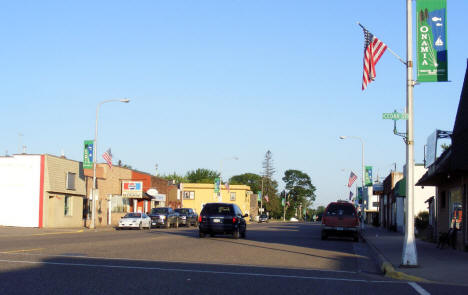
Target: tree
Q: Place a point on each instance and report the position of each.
(251, 179)
(176, 177)
(202, 175)
(270, 187)
(120, 164)
(301, 190)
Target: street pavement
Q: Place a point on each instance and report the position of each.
(275, 258)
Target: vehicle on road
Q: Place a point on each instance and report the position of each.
(187, 216)
(165, 217)
(340, 219)
(135, 220)
(222, 218)
(263, 218)
(293, 219)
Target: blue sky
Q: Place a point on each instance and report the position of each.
(209, 80)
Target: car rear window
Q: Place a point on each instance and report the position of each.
(218, 210)
(182, 211)
(159, 210)
(340, 210)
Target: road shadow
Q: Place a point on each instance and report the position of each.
(80, 275)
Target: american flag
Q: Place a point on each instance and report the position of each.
(352, 179)
(373, 50)
(108, 157)
(350, 195)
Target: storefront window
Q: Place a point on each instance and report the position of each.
(120, 204)
(455, 207)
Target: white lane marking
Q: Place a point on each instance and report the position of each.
(197, 271)
(176, 261)
(418, 288)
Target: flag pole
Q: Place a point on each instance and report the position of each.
(388, 48)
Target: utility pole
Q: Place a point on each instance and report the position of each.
(409, 256)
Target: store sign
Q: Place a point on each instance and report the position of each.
(132, 189)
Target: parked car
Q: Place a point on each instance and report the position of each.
(293, 219)
(135, 220)
(222, 218)
(263, 218)
(340, 219)
(164, 216)
(187, 216)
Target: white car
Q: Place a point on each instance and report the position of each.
(293, 219)
(135, 220)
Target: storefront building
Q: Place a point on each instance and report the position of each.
(196, 195)
(49, 190)
(449, 173)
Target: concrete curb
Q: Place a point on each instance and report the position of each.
(387, 268)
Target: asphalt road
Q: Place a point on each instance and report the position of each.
(275, 258)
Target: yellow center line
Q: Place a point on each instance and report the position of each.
(59, 233)
(23, 250)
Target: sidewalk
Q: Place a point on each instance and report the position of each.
(437, 265)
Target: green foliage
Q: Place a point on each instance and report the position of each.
(251, 179)
(422, 220)
(301, 190)
(445, 146)
(176, 177)
(202, 175)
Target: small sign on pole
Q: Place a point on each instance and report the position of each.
(395, 116)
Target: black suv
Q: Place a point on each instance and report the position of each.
(187, 216)
(164, 216)
(222, 218)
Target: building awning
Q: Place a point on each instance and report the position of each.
(400, 188)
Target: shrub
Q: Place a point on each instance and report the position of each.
(422, 220)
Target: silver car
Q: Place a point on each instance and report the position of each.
(135, 220)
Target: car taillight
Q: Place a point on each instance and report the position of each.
(199, 218)
(234, 220)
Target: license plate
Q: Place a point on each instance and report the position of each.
(216, 220)
(154, 223)
(339, 228)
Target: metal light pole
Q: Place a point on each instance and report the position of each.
(409, 256)
(93, 225)
(220, 174)
(363, 213)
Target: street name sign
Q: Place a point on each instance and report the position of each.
(395, 116)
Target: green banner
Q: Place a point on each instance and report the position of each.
(88, 154)
(217, 183)
(259, 196)
(368, 176)
(431, 45)
(283, 202)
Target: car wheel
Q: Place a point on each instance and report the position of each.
(236, 234)
(356, 238)
(201, 234)
(324, 236)
(244, 234)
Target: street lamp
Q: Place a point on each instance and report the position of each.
(362, 175)
(125, 100)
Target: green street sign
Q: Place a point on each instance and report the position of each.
(395, 116)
